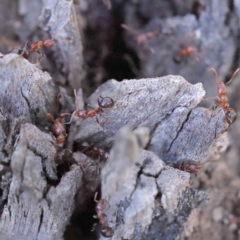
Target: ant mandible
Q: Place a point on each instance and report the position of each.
(106, 102)
(222, 99)
(58, 130)
(106, 230)
(188, 166)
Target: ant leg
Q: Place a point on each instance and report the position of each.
(207, 99)
(94, 225)
(58, 101)
(213, 103)
(90, 106)
(218, 100)
(64, 114)
(95, 197)
(42, 56)
(14, 48)
(196, 57)
(86, 148)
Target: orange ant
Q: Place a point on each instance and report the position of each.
(100, 152)
(106, 230)
(35, 47)
(222, 99)
(144, 37)
(106, 102)
(188, 166)
(58, 130)
(96, 151)
(187, 52)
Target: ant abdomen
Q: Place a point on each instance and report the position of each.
(231, 116)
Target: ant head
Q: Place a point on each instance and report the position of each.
(231, 116)
(105, 102)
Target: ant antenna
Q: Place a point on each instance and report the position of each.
(67, 114)
(77, 99)
(50, 117)
(215, 72)
(233, 76)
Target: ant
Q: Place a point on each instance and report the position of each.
(106, 230)
(106, 102)
(100, 152)
(58, 130)
(188, 166)
(187, 52)
(96, 151)
(222, 99)
(144, 37)
(35, 47)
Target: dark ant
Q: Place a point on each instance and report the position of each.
(35, 47)
(187, 52)
(106, 230)
(106, 102)
(58, 130)
(222, 99)
(188, 166)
